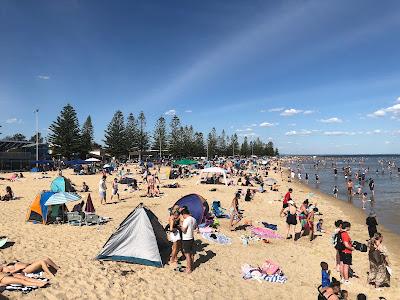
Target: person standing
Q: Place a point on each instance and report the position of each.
(379, 274)
(103, 189)
(372, 186)
(335, 191)
(346, 258)
(286, 199)
(291, 219)
(372, 223)
(350, 189)
(115, 189)
(188, 226)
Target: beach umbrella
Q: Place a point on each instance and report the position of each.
(62, 198)
(185, 162)
(270, 181)
(89, 207)
(92, 159)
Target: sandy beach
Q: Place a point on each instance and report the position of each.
(217, 273)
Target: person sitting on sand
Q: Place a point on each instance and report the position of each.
(235, 216)
(331, 292)
(9, 194)
(6, 278)
(46, 265)
(85, 187)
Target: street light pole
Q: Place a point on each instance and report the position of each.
(37, 136)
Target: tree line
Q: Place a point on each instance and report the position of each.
(124, 135)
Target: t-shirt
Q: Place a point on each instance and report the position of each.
(346, 238)
(371, 222)
(287, 197)
(102, 186)
(190, 224)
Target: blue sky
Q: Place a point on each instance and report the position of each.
(313, 76)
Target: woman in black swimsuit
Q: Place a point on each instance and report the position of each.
(291, 218)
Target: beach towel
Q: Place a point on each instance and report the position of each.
(270, 226)
(27, 289)
(265, 233)
(217, 238)
(253, 273)
(206, 229)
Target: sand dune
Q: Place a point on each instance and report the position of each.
(217, 274)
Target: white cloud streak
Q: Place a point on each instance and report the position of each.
(43, 77)
(290, 112)
(170, 112)
(331, 120)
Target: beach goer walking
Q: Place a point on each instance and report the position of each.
(371, 185)
(288, 196)
(371, 223)
(103, 189)
(350, 189)
(310, 221)
(115, 189)
(188, 226)
(335, 191)
(364, 200)
(291, 219)
(346, 258)
(379, 268)
(303, 219)
(306, 177)
(235, 216)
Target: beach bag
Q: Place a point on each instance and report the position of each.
(338, 242)
(269, 267)
(174, 236)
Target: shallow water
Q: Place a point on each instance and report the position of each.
(386, 201)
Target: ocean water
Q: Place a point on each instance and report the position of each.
(384, 170)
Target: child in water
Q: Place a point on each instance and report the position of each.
(335, 191)
(364, 199)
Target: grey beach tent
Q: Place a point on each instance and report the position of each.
(139, 239)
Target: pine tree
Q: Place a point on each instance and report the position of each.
(65, 133)
(187, 141)
(222, 144)
(199, 146)
(115, 136)
(234, 145)
(131, 133)
(160, 135)
(143, 137)
(33, 138)
(212, 143)
(244, 149)
(174, 139)
(87, 137)
(269, 149)
(276, 152)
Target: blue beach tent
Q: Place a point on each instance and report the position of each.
(38, 210)
(61, 184)
(139, 239)
(197, 205)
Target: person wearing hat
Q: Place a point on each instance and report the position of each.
(372, 223)
(291, 218)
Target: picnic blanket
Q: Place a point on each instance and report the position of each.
(217, 237)
(265, 233)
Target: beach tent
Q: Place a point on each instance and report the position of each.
(139, 239)
(61, 184)
(197, 205)
(185, 162)
(37, 212)
(214, 170)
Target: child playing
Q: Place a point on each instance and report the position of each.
(335, 191)
(319, 226)
(326, 274)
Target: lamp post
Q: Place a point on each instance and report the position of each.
(37, 137)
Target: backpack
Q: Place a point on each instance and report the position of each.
(338, 242)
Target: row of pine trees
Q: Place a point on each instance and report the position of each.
(122, 136)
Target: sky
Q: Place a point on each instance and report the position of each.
(315, 77)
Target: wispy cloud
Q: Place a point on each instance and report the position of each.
(338, 133)
(267, 124)
(276, 109)
(393, 110)
(291, 112)
(308, 112)
(244, 130)
(248, 134)
(302, 132)
(331, 120)
(188, 111)
(43, 77)
(14, 121)
(170, 112)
